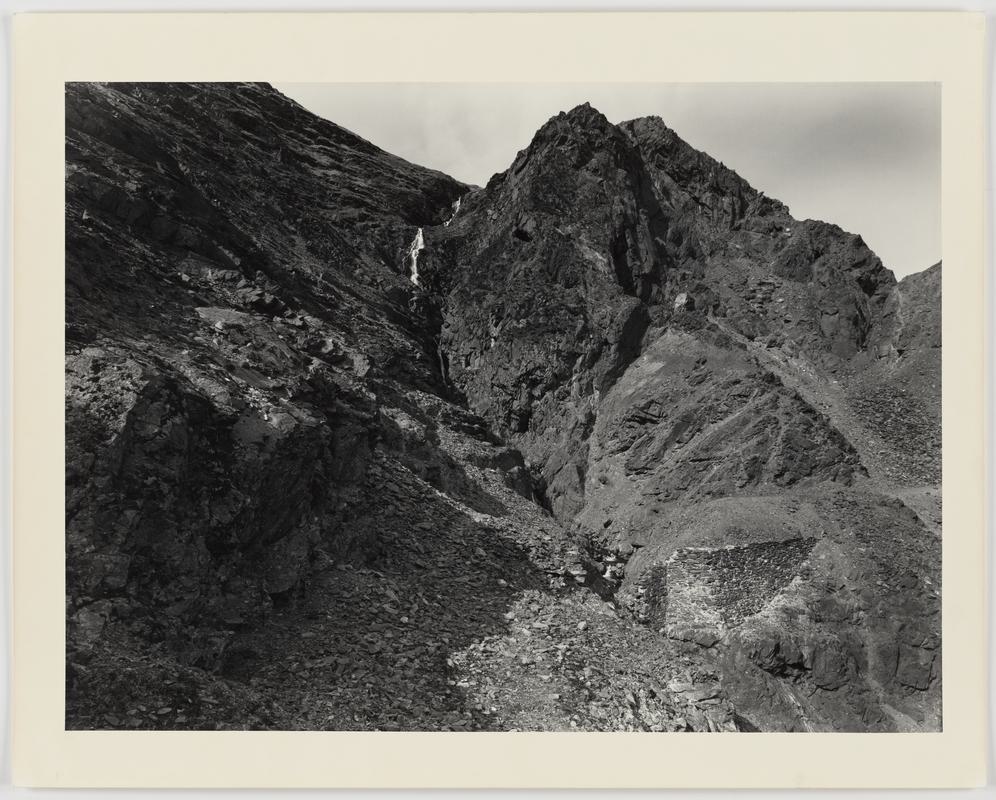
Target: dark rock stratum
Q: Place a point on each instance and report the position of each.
(611, 443)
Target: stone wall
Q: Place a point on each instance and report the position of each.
(700, 592)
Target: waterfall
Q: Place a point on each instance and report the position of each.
(456, 208)
(411, 259)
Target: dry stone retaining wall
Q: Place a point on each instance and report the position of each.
(699, 592)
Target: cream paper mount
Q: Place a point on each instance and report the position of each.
(52, 49)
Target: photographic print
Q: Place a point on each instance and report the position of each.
(503, 407)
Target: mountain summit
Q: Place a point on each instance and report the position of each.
(611, 443)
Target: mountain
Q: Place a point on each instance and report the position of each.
(610, 443)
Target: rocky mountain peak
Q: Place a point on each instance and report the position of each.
(579, 138)
(340, 428)
(583, 114)
(601, 236)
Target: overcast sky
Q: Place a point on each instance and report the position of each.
(864, 156)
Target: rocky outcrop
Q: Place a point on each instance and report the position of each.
(898, 393)
(563, 269)
(224, 335)
(910, 320)
(805, 603)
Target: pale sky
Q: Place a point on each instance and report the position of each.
(866, 156)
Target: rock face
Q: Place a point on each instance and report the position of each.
(223, 332)
(616, 396)
(601, 238)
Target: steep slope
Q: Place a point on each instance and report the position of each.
(611, 443)
(901, 391)
(234, 312)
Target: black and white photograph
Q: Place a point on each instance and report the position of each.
(503, 407)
